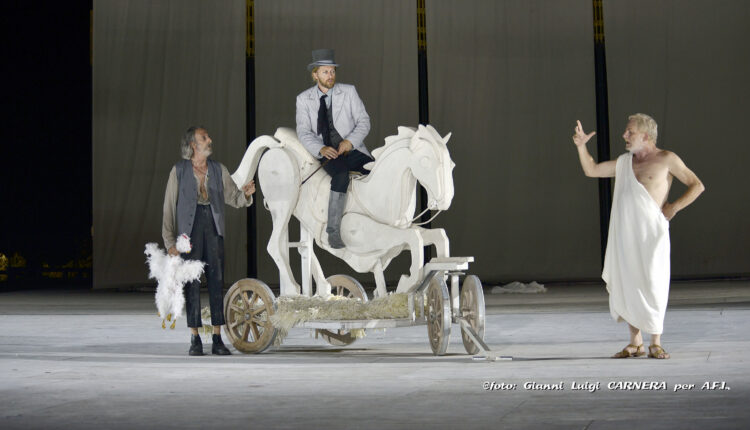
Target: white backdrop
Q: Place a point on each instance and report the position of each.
(508, 78)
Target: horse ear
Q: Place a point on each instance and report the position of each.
(406, 131)
(447, 138)
(415, 144)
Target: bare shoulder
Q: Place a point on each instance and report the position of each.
(671, 159)
(678, 169)
(666, 155)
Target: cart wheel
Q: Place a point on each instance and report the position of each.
(438, 312)
(248, 305)
(343, 285)
(472, 310)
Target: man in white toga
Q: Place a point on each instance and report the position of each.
(636, 265)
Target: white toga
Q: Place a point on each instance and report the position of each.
(636, 265)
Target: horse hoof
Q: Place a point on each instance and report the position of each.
(173, 323)
(163, 325)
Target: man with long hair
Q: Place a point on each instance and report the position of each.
(197, 190)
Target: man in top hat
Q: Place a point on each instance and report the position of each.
(332, 124)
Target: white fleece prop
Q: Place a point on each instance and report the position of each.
(519, 287)
(293, 310)
(172, 273)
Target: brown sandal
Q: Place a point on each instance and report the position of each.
(626, 353)
(656, 351)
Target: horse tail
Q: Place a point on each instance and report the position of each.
(249, 164)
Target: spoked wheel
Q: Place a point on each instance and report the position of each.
(438, 313)
(248, 306)
(472, 310)
(346, 286)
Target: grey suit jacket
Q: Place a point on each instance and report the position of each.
(349, 117)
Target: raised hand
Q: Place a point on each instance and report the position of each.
(580, 138)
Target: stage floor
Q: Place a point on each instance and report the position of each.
(100, 360)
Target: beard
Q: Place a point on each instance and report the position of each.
(327, 84)
(205, 151)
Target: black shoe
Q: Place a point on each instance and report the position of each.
(196, 346)
(218, 347)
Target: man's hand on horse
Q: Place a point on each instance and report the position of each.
(329, 152)
(249, 188)
(345, 146)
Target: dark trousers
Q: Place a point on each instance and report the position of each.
(208, 247)
(340, 167)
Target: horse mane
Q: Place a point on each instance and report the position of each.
(392, 143)
(403, 133)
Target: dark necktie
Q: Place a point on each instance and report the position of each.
(323, 122)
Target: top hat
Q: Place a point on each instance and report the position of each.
(322, 57)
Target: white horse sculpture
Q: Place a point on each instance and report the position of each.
(378, 219)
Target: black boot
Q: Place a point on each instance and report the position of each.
(218, 347)
(196, 346)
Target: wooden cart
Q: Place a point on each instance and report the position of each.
(249, 303)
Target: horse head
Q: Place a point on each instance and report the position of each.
(431, 164)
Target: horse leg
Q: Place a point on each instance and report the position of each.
(364, 235)
(305, 251)
(278, 175)
(278, 247)
(311, 266)
(322, 286)
(437, 237)
(380, 290)
(414, 241)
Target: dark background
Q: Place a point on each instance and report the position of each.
(46, 149)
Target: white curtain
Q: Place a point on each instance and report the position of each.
(508, 78)
(159, 67)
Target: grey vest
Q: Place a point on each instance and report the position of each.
(187, 196)
(335, 136)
